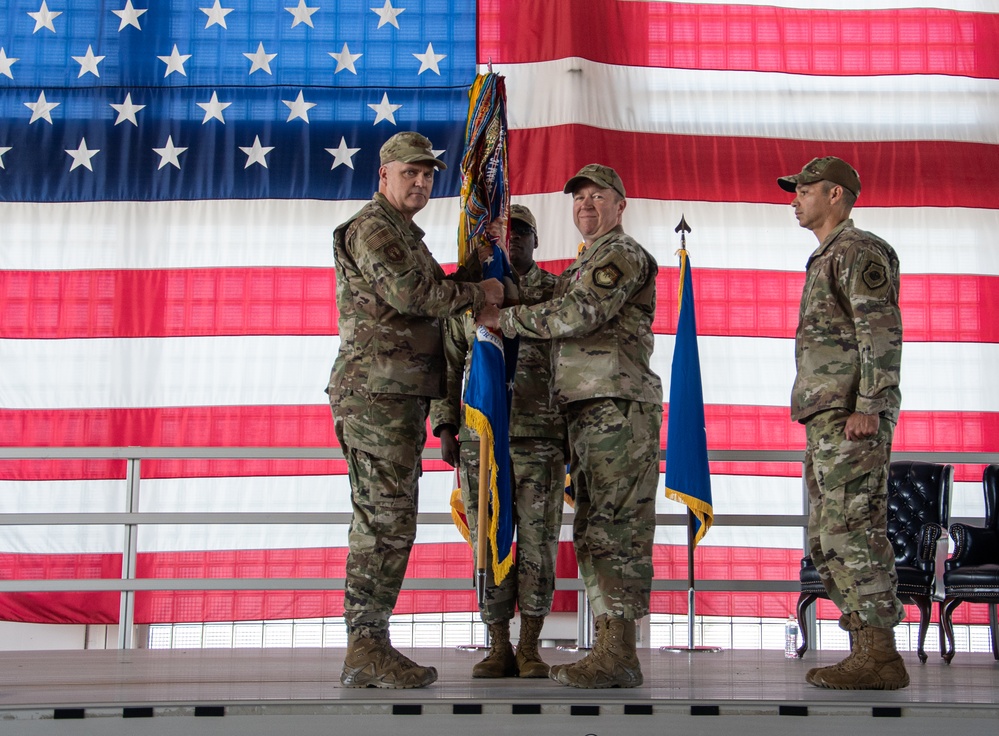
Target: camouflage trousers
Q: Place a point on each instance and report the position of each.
(539, 490)
(848, 515)
(382, 437)
(614, 463)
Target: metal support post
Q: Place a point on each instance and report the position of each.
(126, 613)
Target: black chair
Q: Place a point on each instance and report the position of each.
(918, 511)
(972, 573)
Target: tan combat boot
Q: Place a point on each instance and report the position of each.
(875, 665)
(500, 662)
(529, 661)
(612, 663)
(849, 623)
(598, 626)
(372, 661)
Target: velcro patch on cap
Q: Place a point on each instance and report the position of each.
(607, 276)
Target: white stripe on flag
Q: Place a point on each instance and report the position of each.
(293, 370)
(752, 104)
(278, 233)
(736, 494)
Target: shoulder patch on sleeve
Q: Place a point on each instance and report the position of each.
(394, 253)
(607, 276)
(875, 275)
(380, 238)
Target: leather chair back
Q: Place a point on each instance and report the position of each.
(972, 573)
(918, 494)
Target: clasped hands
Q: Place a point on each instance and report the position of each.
(495, 290)
(488, 316)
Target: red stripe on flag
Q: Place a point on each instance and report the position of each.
(450, 560)
(291, 301)
(168, 303)
(729, 427)
(935, 308)
(732, 169)
(743, 38)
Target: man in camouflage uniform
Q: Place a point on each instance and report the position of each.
(848, 351)
(391, 295)
(601, 322)
(537, 447)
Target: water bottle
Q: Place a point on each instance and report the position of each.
(791, 638)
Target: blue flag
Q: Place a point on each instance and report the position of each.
(487, 411)
(688, 478)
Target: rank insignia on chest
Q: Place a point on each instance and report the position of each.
(875, 276)
(394, 254)
(606, 276)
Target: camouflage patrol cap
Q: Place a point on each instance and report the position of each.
(827, 168)
(520, 212)
(602, 176)
(409, 147)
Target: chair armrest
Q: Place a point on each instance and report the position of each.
(973, 545)
(926, 550)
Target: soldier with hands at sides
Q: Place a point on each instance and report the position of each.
(848, 354)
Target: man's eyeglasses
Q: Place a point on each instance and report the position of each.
(521, 228)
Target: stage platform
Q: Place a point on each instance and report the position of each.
(297, 691)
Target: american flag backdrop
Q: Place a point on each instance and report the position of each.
(171, 172)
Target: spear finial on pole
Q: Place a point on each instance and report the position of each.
(683, 228)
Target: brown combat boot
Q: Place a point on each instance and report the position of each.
(598, 626)
(612, 663)
(500, 662)
(849, 623)
(874, 665)
(372, 661)
(529, 661)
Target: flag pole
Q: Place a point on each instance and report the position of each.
(683, 228)
(690, 580)
(483, 523)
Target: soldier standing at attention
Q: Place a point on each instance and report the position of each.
(391, 295)
(537, 453)
(848, 352)
(600, 320)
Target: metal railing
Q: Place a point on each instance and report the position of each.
(131, 519)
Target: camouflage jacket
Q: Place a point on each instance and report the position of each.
(601, 321)
(532, 413)
(391, 295)
(848, 347)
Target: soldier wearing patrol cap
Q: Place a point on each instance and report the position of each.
(600, 320)
(537, 454)
(391, 295)
(848, 353)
